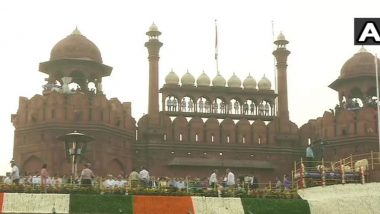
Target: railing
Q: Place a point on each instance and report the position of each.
(351, 169)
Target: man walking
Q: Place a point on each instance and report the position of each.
(213, 180)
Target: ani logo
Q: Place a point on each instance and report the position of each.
(366, 31)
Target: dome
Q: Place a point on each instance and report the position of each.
(362, 63)
(153, 27)
(281, 36)
(203, 80)
(264, 84)
(172, 78)
(76, 46)
(249, 82)
(187, 79)
(219, 81)
(234, 81)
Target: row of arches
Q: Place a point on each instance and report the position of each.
(341, 124)
(219, 106)
(212, 131)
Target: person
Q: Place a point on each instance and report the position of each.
(133, 178)
(287, 183)
(309, 156)
(213, 180)
(44, 177)
(86, 176)
(144, 176)
(278, 186)
(15, 176)
(230, 179)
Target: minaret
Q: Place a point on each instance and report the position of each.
(281, 54)
(153, 46)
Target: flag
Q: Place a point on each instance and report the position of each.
(216, 41)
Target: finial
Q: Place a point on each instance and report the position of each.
(363, 50)
(76, 31)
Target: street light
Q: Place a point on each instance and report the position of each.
(75, 145)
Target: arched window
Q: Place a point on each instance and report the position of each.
(212, 138)
(259, 140)
(228, 139)
(243, 140)
(180, 137)
(196, 137)
(164, 137)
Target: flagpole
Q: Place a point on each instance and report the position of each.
(216, 48)
(377, 103)
(275, 72)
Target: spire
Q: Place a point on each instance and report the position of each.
(76, 31)
(362, 50)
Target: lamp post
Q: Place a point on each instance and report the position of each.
(75, 144)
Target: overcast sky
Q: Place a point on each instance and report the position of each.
(320, 35)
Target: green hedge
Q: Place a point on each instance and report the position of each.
(100, 204)
(274, 206)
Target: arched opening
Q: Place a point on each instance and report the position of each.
(234, 107)
(203, 105)
(219, 106)
(187, 104)
(171, 103)
(115, 167)
(32, 165)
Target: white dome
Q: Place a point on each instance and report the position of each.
(219, 81)
(203, 80)
(171, 78)
(281, 36)
(234, 81)
(187, 79)
(264, 84)
(153, 27)
(249, 82)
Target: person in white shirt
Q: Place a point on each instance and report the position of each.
(109, 182)
(15, 176)
(230, 179)
(144, 176)
(213, 180)
(7, 180)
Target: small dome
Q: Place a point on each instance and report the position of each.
(281, 36)
(264, 84)
(249, 82)
(362, 63)
(153, 27)
(203, 80)
(219, 81)
(234, 81)
(76, 46)
(187, 79)
(172, 78)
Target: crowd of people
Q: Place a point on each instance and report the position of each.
(142, 180)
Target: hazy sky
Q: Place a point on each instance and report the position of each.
(320, 35)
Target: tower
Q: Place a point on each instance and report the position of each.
(153, 46)
(281, 54)
(73, 99)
